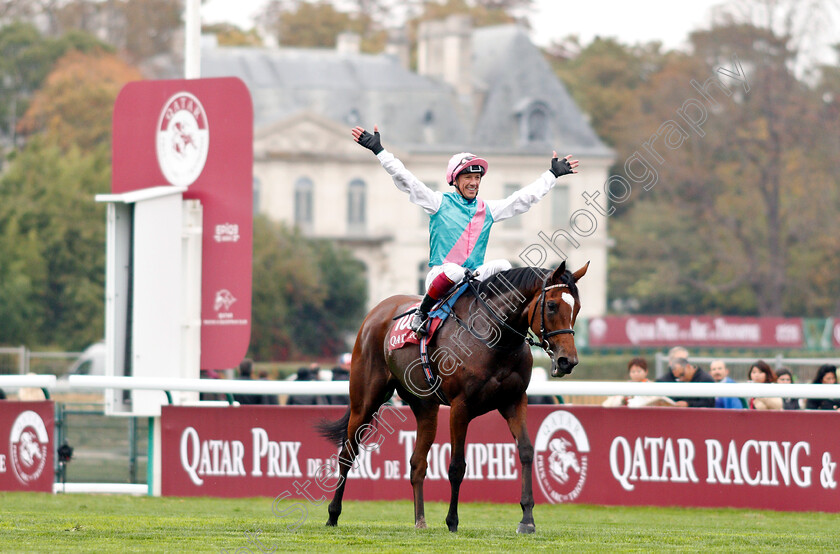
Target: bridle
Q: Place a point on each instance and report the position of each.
(544, 335)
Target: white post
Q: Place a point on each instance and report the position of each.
(192, 39)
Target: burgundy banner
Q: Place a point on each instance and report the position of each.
(587, 454)
(26, 446)
(198, 133)
(720, 331)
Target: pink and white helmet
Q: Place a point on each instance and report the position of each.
(464, 163)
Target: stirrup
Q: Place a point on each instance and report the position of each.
(418, 323)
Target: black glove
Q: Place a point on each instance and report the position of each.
(371, 142)
(560, 167)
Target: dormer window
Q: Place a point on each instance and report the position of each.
(537, 125)
(534, 119)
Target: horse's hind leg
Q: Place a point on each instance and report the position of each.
(362, 411)
(515, 415)
(426, 415)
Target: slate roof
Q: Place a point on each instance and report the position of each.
(415, 113)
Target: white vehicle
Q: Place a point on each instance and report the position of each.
(91, 362)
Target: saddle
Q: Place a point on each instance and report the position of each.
(401, 333)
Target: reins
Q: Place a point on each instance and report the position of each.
(544, 335)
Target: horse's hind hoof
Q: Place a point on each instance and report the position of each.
(420, 523)
(332, 522)
(526, 528)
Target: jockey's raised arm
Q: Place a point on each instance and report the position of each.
(460, 221)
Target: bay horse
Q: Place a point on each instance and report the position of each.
(486, 366)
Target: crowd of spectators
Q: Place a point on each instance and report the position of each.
(680, 369)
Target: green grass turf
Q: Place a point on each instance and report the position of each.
(32, 522)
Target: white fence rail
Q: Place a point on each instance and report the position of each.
(754, 390)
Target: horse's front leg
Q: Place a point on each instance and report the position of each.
(426, 429)
(515, 415)
(458, 422)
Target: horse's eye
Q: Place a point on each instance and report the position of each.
(552, 306)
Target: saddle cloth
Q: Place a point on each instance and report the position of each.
(401, 333)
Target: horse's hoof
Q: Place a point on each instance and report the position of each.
(420, 523)
(526, 528)
(332, 522)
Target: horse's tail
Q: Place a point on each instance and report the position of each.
(334, 431)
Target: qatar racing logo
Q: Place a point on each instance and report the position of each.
(561, 457)
(183, 139)
(224, 299)
(28, 446)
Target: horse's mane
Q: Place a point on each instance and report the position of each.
(523, 278)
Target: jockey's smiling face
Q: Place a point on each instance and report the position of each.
(467, 184)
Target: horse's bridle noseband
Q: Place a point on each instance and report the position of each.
(544, 336)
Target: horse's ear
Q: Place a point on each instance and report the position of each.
(555, 277)
(580, 272)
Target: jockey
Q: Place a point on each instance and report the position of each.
(459, 222)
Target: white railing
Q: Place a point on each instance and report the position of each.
(559, 387)
(35, 381)
(752, 390)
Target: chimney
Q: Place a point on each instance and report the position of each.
(444, 51)
(348, 43)
(397, 47)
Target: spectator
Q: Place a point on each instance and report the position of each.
(307, 374)
(720, 373)
(637, 371)
(688, 373)
(2, 395)
(210, 374)
(341, 372)
(245, 368)
(785, 377)
(761, 372)
(675, 353)
(267, 399)
(30, 394)
(826, 375)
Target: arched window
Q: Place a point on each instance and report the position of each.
(537, 125)
(303, 204)
(356, 200)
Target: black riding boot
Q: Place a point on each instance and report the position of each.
(421, 314)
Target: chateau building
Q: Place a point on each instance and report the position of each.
(486, 90)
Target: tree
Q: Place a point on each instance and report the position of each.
(231, 35)
(744, 213)
(318, 24)
(52, 247)
(483, 12)
(75, 105)
(140, 29)
(307, 295)
(26, 58)
(53, 233)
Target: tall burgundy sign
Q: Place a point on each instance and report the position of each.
(695, 331)
(199, 134)
(26, 446)
(586, 454)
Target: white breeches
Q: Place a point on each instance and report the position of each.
(455, 272)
